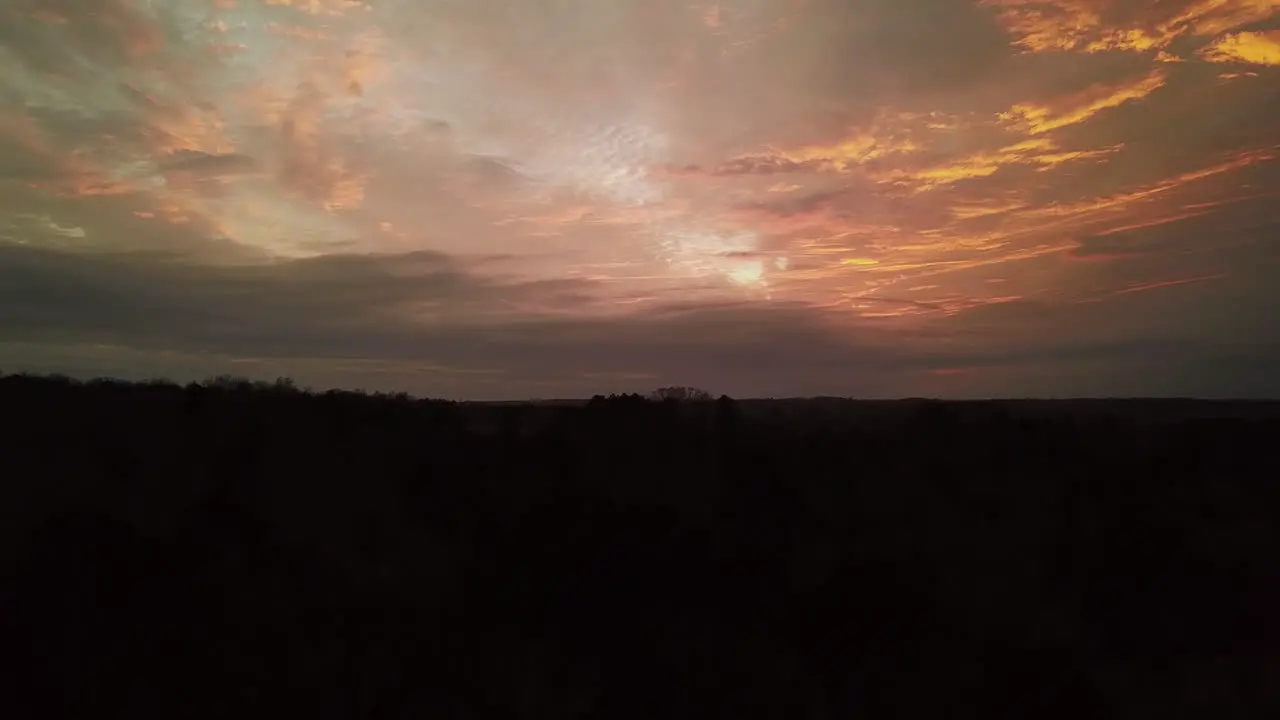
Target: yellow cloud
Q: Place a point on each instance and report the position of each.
(891, 135)
(1086, 26)
(1132, 39)
(1057, 25)
(1210, 17)
(1044, 118)
(1258, 48)
(851, 152)
(1045, 26)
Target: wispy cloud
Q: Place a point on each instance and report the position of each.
(1256, 48)
(1082, 106)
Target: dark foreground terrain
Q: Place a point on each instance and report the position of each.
(231, 550)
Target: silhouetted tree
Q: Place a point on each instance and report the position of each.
(681, 394)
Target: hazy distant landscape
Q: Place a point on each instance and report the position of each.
(248, 549)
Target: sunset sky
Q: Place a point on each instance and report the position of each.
(554, 198)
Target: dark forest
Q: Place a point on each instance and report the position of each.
(239, 549)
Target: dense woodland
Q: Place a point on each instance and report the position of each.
(232, 549)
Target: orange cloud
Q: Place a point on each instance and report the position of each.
(1038, 119)
(1075, 254)
(711, 17)
(890, 135)
(1041, 152)
(841, 157)
(181, 127)
(1143, 287)
(971, 210)
(305, 161)
(62, 173)
(1257, 48)
(1149, 223)
(1241, 160)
